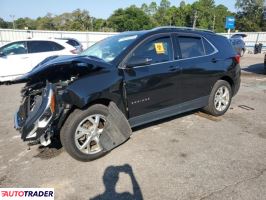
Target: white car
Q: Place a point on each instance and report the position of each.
(20, 57)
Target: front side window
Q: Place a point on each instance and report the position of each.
(191, 47)
(14, 48)
(157, 51)
(43, 46)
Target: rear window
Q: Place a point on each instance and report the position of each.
(43, 46)
(191, 47)
(208, 47)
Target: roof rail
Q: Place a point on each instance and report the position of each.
(182, 28)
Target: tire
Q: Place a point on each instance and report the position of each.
(70, 131)
(212, 107)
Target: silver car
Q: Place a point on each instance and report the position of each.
(237, 41)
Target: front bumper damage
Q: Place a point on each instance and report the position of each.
(34, 122)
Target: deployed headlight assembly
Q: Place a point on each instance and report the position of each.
(40, 116)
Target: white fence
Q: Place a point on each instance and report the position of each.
(86, 38)
(89, 38)
(252, 39)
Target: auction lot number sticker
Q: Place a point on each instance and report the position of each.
(27, 194)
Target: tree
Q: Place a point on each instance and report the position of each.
(153, 8)
(250, 11)
(3, 23)
(131, 18)
(161, 16)
(205, 13)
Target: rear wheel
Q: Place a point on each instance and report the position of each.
(220, 98)
(80, 134)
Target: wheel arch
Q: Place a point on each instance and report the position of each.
(229, 80)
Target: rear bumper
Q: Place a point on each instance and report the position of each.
(236, 75)
(236, 86)
(32, 124)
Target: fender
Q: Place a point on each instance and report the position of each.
(107, 84)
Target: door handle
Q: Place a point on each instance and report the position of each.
(175, 69)
(24, 57)
(214, 60)
(172, 69)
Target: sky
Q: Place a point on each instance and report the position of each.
(96, 8)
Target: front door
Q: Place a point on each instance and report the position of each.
(14, 60)
(151, 76)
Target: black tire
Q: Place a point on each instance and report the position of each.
(68, 130)
(211, 109)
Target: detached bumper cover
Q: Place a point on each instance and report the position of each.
(32, 124)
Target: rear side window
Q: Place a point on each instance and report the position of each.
(158, 50)
(43, 46)
(208, 47)
(191, 47)
(73, 43)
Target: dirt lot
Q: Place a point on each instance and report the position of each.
(191, 156)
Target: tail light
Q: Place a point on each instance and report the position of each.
(74, 51)
(237, 59)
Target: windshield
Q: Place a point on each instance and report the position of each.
(109, 48)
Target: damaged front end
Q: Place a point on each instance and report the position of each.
(37, 113)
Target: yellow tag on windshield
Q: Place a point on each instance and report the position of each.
(159, 48)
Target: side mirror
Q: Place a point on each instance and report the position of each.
(138, 61)
(2, 54)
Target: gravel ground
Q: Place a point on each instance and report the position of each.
(190, 156)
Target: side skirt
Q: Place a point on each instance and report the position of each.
(169, 111)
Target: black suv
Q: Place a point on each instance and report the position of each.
(92, 100)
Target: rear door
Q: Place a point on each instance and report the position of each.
(151, 86)
(200, 66)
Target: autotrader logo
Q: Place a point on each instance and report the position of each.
(27, 193)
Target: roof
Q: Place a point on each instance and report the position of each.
(181, 28)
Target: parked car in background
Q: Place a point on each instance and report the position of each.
(20, 57)
(265, 63)
(237, 41)
(125, 81)
(73, 42)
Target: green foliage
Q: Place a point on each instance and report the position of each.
(204, 13)
(4, 24)
(131, 18)
(250, 15)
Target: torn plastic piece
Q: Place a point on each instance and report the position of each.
(117, 129)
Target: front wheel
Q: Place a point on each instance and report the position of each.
(220, 98)
(81, 132)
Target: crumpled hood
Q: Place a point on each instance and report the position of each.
(59, 67)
